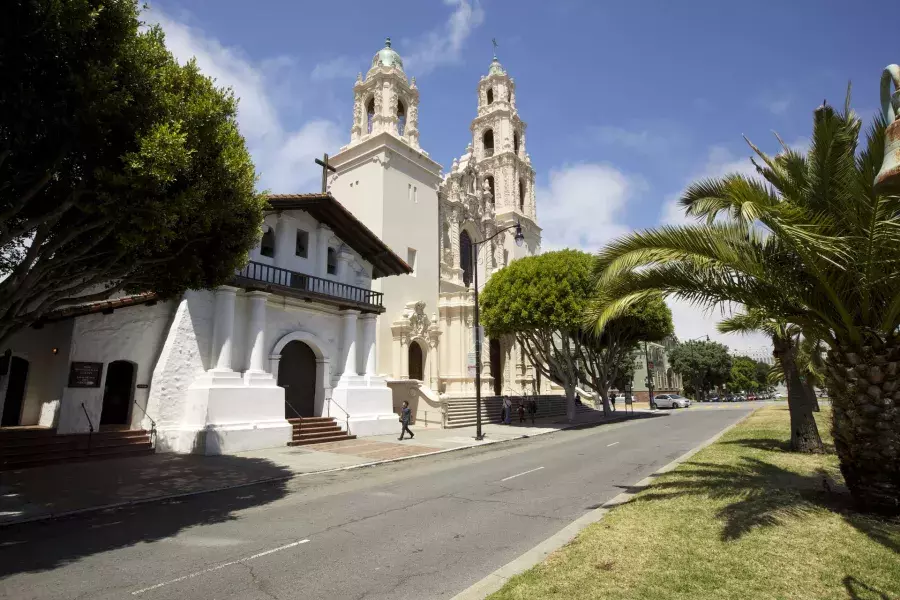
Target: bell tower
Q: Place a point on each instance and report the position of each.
(385, 101)
(498, 140)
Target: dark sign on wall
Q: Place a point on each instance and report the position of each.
(85, 374)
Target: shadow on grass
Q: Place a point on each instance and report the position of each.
(770, 444)
(857, 590)
(765, 495)
(45, 545)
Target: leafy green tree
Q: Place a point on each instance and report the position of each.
(742, 377)
(816, 246)
(120, 170)
(540, 300)
(606, 357)
(704, 364)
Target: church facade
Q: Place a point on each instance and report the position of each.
(425, 341)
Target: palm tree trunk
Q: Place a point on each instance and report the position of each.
(804, 431)
(811, 394)
(864, 388)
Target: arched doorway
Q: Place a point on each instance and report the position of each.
(297, 375)
(465, 257)
(416, 362)
(15, 392)
(496, 366)
(117, 393)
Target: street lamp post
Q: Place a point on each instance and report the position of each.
(475, 247)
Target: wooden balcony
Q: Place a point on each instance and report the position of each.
(259, 276)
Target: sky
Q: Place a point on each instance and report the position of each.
(626, 102)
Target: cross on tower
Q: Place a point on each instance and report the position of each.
(325, 168)
(494, 42)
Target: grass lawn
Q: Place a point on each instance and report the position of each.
(742, 519)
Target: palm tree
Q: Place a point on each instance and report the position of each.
(815, 246)
(804, 431)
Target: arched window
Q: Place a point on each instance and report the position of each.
(516, 143)
(267, 247)
(370, 114)
(465, 257)
(489, 185)
(490, 95)
(521, 195)
(401, 118)
(488, 141)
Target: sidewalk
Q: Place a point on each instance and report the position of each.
(59, 490)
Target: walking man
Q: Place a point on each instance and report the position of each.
(404, 420)
(507, 410)
(532, 409)
(612, 400)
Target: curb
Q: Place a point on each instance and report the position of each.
(178, 495)
(539, 553)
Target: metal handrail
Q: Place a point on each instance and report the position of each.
(90, 426)
(152, 424)
(261, 272)
(346, 414)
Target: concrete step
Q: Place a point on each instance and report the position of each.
(322, 440)
(23, 461)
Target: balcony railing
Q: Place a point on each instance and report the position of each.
(309, 286)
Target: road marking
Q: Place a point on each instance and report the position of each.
(613, 444)
(217, 567)
(520, 474)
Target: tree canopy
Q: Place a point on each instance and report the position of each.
(742, 377)
(704, 364)
(119, 168)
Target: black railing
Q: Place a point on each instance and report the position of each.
(302, 282)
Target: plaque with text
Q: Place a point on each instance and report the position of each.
(85, 374)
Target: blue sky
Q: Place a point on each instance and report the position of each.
(626, 102)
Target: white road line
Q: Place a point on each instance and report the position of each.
(613, 444)
(520, 474)
(217, 567)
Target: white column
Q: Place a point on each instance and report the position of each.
(256, 332)
(369, 322)
(349, 342)
(285, 242)
(223, 328)
(323, 234)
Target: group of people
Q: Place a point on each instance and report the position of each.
(523, 406)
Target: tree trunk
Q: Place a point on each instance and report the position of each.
(570, 403)
(804, 431)
(864, 387)
(604, 398)
(811, 395)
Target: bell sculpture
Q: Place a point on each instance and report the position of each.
(888, 179)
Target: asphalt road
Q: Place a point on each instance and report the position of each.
(420, 529)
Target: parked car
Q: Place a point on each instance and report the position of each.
(672, 401)
(751, 397)
(739, 398)
(712, 398)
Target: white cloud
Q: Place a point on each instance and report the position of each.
(583, 205)
(443, 45)
(283, 157)
(341, 67)
(778, 106)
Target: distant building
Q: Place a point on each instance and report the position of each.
(761, 354)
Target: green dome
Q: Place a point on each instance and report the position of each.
(496, 68)
(387, 57)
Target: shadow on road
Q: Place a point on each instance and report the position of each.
(44, 545)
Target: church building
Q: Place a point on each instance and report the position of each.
(354, 300)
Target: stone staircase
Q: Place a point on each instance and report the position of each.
(317, 430)
(26, 447)
(461, 411)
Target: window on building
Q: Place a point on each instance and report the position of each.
(521, 195)
(302, 248)
(331, 266)
(370, 114)
(490, 95)
(415, 195)
(505, 257)
(409, 192)
(516, 143)
(488, 141)
(489, 184)
(401, 118)
(411, 259)
(465, 257)
(267, 246)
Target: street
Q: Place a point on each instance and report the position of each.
(424, 528)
